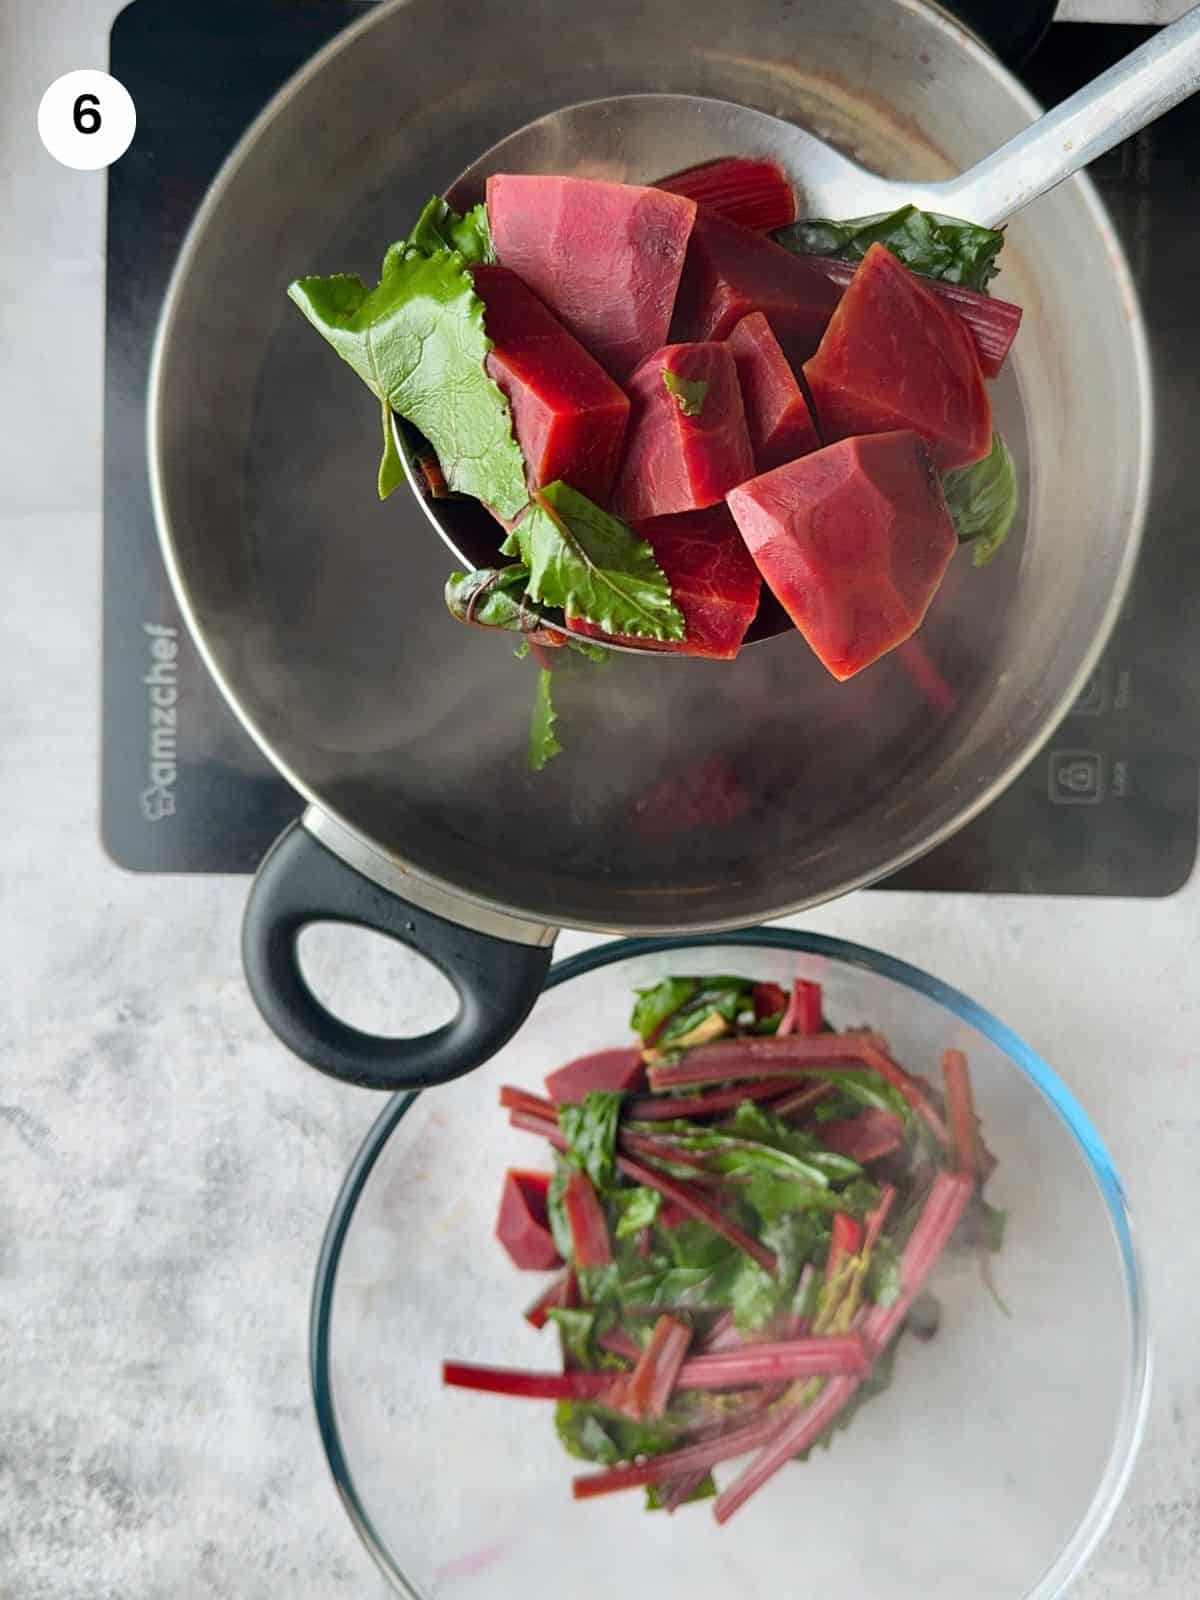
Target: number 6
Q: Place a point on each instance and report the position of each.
(87, 114)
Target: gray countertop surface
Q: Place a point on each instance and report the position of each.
(166, 1169)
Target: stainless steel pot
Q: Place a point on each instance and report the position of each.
(319, 611)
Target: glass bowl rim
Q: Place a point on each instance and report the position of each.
(1131, 1423)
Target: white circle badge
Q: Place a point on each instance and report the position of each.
(86, 119)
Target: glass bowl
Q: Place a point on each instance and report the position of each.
(990, 1468)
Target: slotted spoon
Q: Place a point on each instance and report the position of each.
(637, 138)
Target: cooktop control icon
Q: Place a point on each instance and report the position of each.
(1076, 777)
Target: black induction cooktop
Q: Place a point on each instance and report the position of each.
(1110, 807)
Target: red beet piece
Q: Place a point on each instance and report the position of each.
(853, 540)
(777, 414)
(605, 257)
(568, 414)
(755, 192)
(687, 441)
(556, 1295)
(620, 1070)
(845, 1239)
(769, 1000)
(732, 271)
(895, 356)
(993, 324)
(714, 582)
(521, 1224)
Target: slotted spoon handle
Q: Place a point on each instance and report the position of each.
(1114, 106)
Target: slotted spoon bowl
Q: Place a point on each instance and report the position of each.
(638, 138)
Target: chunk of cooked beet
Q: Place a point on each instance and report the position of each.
(777, 415)
(992, 323)
(753, 191)
(618, 1070)
(769, 1000)
(687, 442)
(895, 356)
(605, 257)
(713, 579)
(854, 540)
(569, 416)
(731, 271)
(522, 1224)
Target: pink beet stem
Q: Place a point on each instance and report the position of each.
(525, 1385)
(799, 1325)
(689, 1199)
(746, 1368)
(805, 1013)
(680, 1490)
(674, 1463)
(640, 1144)
(755, 1057)
(755, 1363)
(653, 1108)
(994, 324)
(798, 1101)
(514, 1099)
(530, 1123)
(590, 1243)
(940, 1216)
(658, 1368)
(845, 1239)
(877, 1218)
(549, 1298)
(960, 1105)
(620, 1343)
(800, 1431)
(879, 1061)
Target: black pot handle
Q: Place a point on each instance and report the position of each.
(300, 882)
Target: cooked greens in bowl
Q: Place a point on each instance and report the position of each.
(989, 1465)
(747, 1205)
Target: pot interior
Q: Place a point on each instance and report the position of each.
(689, 793)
